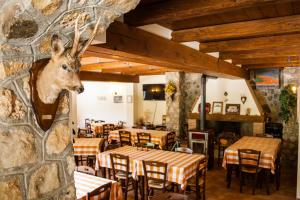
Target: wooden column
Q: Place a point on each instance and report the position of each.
(203, 103)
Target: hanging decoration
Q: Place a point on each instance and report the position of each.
(170, 89)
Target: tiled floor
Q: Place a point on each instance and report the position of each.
(216, 188)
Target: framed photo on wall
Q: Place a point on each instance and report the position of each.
(118, 99)
(217, 107)
(233, 109)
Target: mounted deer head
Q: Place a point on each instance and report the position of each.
(61, 72)
(63, 68)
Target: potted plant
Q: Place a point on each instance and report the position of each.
(288, 102)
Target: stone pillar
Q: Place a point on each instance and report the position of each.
(35, 164)
(188, 91)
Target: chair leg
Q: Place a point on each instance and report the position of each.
(126, 189)
(241, 182)
(254, 185)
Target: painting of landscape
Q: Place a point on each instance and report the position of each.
(267, 78)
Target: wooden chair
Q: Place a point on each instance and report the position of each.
(86, 170)
(225, 139)
(125, 138)
(143, 139)
(184, 150)
(102, 191)
(120, 125)
(82, 133)
(198, 183)
(106, 130)
(155, 169)
(170, 141)
(249, 164)
(120, 168)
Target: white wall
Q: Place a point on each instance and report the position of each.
(149, 111)
(96, 102)
(215, 89)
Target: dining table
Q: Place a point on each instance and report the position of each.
(157, 137)
(181, 166)
(270, 149)
(88, 146)
(85, 183)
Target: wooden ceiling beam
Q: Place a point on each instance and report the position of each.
(251, 44)
(276, 60)
(133, 69)
(271, 65)
(112, 65)
(136, 45)
(105, 77)
(184, 9)
(240, 30)
(262, 53)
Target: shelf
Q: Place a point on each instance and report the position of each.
(229, 118)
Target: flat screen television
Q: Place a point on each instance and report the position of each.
(154, 92)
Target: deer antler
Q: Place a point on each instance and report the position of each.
(87, 44)
(76, 37)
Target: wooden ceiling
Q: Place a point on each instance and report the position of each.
(253, 33)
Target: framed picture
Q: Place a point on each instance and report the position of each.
(217, 107)
(118, 99)
(233, 109)
(267, 78)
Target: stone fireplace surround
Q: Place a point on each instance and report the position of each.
(35, 164)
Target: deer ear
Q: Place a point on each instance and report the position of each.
(57, 45)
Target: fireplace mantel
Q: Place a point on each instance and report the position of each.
(230, 118)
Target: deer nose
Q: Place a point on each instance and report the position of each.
(80, 89)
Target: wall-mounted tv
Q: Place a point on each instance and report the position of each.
(154, 92)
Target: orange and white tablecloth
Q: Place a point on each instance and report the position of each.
(85, 183)
(87, 146)
(157, 137)
(181, 166)
(269, 148)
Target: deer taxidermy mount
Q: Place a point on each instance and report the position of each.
(49, 77)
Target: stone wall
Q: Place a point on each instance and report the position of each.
(290, 129)
(35, 164)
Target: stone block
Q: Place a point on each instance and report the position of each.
(46, 7)
(18, 147)
(11, 108)
(11, 189)
(58, 139)
(68, 194)
(70, 165)
(45, 179)
(14, 66)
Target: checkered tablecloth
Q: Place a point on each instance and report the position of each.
(85, 183)
(157, 137)
(87, 146)
(181, 166)
(269, 148)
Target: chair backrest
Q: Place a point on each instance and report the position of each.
(111, 127)
(82, 133)
(170, 140)
(125, 138)
(120, 124)
(249, 160)
(119, 162)
(106, 128)
(99, 121)
(184, 150)
(154, 170)
(111, 147)
(143, 138)
(86, 170)
(102, 191)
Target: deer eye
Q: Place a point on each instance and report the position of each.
(65, 67)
